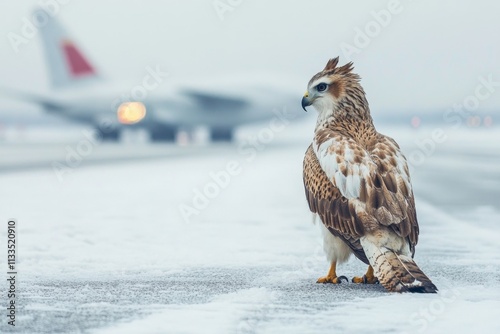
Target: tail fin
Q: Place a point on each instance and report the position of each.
(397, 272)
(67, 64)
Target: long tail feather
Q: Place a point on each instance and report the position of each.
(397, 272)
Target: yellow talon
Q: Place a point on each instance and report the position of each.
(331, 277)
(333, 280)
(368, 278)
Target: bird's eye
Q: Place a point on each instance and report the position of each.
(321, 87)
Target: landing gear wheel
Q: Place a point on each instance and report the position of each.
(221, 134)
(111, 135)
(163, 134)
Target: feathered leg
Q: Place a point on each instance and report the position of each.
(336, 252)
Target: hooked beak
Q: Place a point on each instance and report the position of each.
(306, 102)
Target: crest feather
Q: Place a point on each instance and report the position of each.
(347, 68)
(332, 63)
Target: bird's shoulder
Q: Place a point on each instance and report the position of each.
(388, 157)
(372, 149)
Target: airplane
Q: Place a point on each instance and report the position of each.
(81, 93)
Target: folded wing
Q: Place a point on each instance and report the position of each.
(354, 190)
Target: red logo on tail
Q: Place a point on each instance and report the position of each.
(78, 65)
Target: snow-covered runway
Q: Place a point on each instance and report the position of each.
(133, 247)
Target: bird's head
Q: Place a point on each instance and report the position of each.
(333, 86)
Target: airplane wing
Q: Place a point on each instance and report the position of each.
(215, 101)
(44, 101)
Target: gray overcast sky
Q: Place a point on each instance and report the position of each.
(428, 57)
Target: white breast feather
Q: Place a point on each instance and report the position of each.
(350, 185)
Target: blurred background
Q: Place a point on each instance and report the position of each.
(86, 82)
(416, 62)
(109, 83)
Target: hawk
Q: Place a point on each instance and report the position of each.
(357, 181)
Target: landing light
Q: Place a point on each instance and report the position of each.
(131, 112)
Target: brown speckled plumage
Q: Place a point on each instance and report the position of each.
(358, 182)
